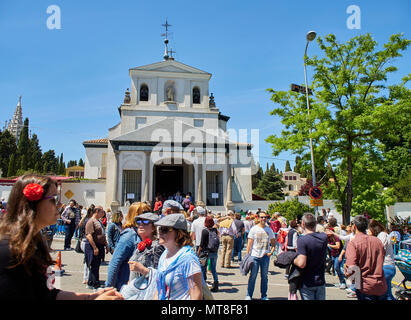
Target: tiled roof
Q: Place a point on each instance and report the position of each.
(102, 141)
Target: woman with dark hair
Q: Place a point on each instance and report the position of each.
(209, 244)
(378, 230)
(179, 272)
(25, 261)
(335, 247)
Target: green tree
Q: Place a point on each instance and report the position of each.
(62, 165)
(257, 176)
(50, 162)
(11, 170)
(270, 186)
(8, 147)
(297, 167)
(351, 108)
(23, 147)
(72, 163)
(81, 162)
(287, 166)
(34, 161)
(289, 209)
(402, 188)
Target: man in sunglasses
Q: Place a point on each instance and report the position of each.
(259, 239)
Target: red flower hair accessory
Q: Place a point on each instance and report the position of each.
(33, 192)
(141, 246)
(148, 242)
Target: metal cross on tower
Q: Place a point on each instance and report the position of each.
(166, 25)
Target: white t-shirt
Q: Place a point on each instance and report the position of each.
(197, 227)
(262, 238)
(389, 250)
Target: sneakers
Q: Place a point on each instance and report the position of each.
(247, 298)
(265, 298)
(351, 295)
(349, 291)
(343, 286)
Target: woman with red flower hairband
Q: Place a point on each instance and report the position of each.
(25, 261)
(148, 251)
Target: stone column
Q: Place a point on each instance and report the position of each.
(146, 196)
(115, 205)
(229, 203)
(200, 201)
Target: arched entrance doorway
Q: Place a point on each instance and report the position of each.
(171, 177)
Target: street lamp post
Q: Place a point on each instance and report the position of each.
(310, 37)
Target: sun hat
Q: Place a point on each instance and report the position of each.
(175, 220)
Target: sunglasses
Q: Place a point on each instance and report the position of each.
(165, 229)
(54, 199)
(143, 222)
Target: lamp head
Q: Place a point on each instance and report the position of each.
(311, 35)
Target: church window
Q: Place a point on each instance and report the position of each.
(196, 95)
(144, 92)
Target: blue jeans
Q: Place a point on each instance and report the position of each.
(313, 293)
(262, 263)
(238, 246)
(363, 296)
(389, 273)
(212, 258)
(338, 268)
(69, 232)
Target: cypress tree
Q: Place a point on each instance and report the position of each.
(23, 147)
(12, 166)
(287, 166)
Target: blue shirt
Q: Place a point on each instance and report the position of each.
(118, 269)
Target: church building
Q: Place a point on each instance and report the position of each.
(171, 138)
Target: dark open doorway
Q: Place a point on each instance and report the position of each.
(168, 179)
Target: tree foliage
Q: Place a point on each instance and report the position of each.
(270, 186)
(289, 209)
(351, 109)
(7, 148)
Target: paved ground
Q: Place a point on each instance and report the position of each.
(233, 285)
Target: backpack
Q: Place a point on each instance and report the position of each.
(213, 241)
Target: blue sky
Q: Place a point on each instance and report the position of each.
(73, 80)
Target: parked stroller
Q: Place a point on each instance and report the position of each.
(403, 263)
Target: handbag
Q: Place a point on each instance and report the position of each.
(141, 288)
(203, 257)
(78, 248)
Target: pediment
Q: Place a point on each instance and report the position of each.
(170, 66)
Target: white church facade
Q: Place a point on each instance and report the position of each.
(171, 138)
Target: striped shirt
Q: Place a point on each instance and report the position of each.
(177, 280)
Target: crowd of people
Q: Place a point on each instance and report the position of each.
(172, 246)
